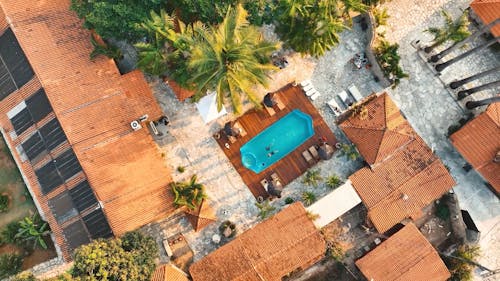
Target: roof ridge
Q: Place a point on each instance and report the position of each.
(404, 145)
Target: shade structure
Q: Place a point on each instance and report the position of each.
(325, 151)
(201, 216)
(228, 129)
(269, 100)
(207, 106)
(275, 188)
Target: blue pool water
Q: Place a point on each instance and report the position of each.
(276, 141)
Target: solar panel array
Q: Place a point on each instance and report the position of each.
(37, 107)
(48, 177)
(76, 234)
(82, 195)
(56, 172)
(62, 207)
(15, 70)
(45, 139)
(97, 224)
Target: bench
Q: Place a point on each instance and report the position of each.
(334, 106)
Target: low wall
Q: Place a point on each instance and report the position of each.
(371, 36)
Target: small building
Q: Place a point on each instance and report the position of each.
(284, 243)
(406, 255)
(403, 175)
(487, 11)
(67, 121)
(479, 143)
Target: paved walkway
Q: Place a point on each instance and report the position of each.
(422, 98)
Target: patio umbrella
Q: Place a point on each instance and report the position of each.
(325, 151)
(228, 129)
(269, 100)
(275, 188)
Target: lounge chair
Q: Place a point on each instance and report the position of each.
(355, 92)
(345, 98)
(308, 157)
(305, 83)
(232, 139)
(310, 92)
(308, 87)
(334, 106)
(314, 152)
(238, 127)
(270, 110)
(315, 95)
(279, 102)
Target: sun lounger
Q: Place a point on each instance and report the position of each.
(308, 87)
(355, 92)
(305, 83)
(275, 177)
(314, 152)
(334, 106)
(238, 127)
(308, 157)
(232, 139)
(311, 92)
(269, 110)
(315, 95)
(279, 102)
(345, 98)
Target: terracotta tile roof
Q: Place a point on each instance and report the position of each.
(408, 177)
(202, 216)
(283, 243)
(94, 105)
(406, 255)
(168, 272)
(181, 93)
(479, 141)
(488, 11)
(383, 131)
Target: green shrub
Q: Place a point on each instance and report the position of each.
(9, 233)
(24, 276)
(289, 200)
(4, 202)
(312, 177)
(308, 197)
(181, 169)
(265, 209)
(333, 181)
(10, 264)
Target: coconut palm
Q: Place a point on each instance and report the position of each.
(455, 31)
(312, 177)
(333, 181)
(189, 194)
(265, 209)
(309, 27)
(352, 5)
(308, 197)
(231, 58)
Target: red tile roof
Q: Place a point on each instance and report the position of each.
(406, 255)
(381, 133)
(94, 105)
(281, 244)
(168, 272)
(488, 11)
(407, 177)
(202, 216)
(181, 93)
(479, 142)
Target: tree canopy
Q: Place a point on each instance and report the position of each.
(118, 19)
(131, 257)
(231, 58)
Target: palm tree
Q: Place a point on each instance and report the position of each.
(232, 58)
(33, 229)
(352, 5)
(333, 181)
(455, 31)
(265, 209)
(189, 194)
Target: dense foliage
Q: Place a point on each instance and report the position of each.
(10, 264)
(4, 202)
(453, 30)
(32, 230)
(119, 19)
(460, 269)
(388, 58)
(231, 58)
(131, 257)
(189, 194)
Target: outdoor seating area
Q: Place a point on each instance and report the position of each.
(272, 103)
(274, 186)
(292, 165)
(346, 100)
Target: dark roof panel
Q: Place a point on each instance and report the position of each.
(22, 121)
(62, 207)
(14, 59)
(68, 164)
(33, 146)
(48, 177)
(52, 134)
(83, 196)
(7, 85)
(97, 224)
(76, 235)
(38, 105)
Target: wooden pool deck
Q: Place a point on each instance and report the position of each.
(255, 121)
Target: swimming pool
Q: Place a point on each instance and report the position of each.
(276, 141)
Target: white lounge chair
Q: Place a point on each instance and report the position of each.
(305, 83)
(345, 98)
(311, 92)
(315, 95)
(355, 92)
(307, 87)
(334, 106)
